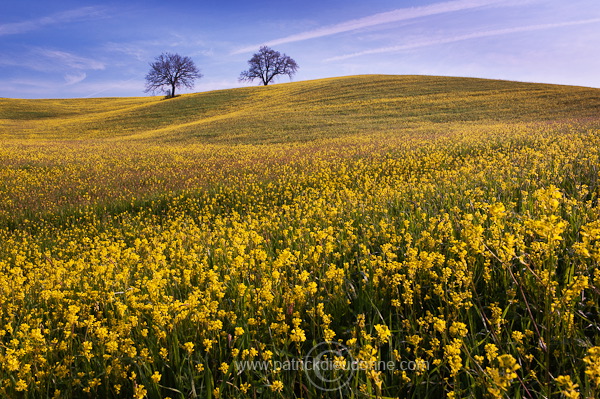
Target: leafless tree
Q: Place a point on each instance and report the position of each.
(268, 63)
(170, 71)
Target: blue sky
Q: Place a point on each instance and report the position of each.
(87, 48)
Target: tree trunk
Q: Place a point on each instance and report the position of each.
(172, 91)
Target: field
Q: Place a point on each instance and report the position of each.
(396, 236)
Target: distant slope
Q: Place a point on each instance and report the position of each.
(298, 111)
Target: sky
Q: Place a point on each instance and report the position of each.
(93, 48)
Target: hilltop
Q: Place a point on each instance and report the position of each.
(298, 111)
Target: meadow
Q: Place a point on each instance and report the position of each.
(441, 234)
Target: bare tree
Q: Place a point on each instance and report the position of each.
(170, 71)
(268, 63)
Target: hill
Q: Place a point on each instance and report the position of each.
(298, 111)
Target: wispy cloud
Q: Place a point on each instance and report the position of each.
(402, 14)
(474, 35)
(136, 51)
(95, 89)
(52, 88)
(52, 19)
(48, 60)
(146, 50)
(68, 60)
(74, 78)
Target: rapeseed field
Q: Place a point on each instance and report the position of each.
(360, 237)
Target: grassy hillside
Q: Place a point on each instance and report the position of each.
(427, 236)
(298, 111)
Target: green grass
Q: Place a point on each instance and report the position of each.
(298, 111)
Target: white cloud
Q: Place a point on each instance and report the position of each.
(113, 88)
(146, 50)
(53, 19)
(50, 88)
(133, 50)
(475, 35)
(216, 84)
(73, 78)
(69, 60)
(401, 14)
(49, 60)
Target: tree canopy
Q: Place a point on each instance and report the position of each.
(170, 71)
(267, 64)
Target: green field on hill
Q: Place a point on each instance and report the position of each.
(300, 111)
(414, 236)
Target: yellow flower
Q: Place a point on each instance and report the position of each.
(21, 386)
(502, 375)
(164, 353)
(252, 353)
(458, 329)
(491, 351)
(383, 332)
(452, 355)
(139, 392)
(189, 347)
(267, 355)
(566, 386)
(112, 346)
(224, 368)
(87, 348)
(156, 377)
(518, 336)
(592, 360)
(245, 387)
(208, 343)
(297, 335)
(277, 386)
(414, 339)
(439, 325)
(12, 363)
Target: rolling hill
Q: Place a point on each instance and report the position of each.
(298, 111)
